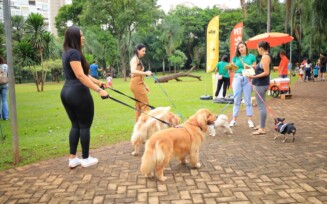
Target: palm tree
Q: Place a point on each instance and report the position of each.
(35, 28)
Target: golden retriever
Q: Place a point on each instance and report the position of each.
(176, 142)
(146, 126)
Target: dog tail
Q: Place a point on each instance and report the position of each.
(149, 158)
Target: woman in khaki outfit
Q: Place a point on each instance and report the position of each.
(137, 85)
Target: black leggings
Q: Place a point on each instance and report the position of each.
(222, 81)
(79, 106)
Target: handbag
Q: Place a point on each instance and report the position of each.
(3, 75)
(219, 77)
(248, 70)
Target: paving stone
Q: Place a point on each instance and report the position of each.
(237, 169)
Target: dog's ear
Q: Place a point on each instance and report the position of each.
(202, 120)
(282, 119)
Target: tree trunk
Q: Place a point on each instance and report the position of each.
(243, 5)
(177, 76)
(36, 79)
(163, 66)
(268, 15)
(42, 71)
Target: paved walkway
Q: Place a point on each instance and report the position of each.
(239, 168)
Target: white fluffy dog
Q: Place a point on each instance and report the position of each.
(222, 121)
(146, 126)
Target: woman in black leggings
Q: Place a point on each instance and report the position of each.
(76, 96)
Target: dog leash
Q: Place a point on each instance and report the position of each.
(156, 79)
(225, 107)
(115, 90)
(125, 104)
(271, 113)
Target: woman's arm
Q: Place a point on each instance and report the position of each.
(134, 71)
(78, 71)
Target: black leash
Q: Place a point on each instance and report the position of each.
(152, 107)
(125, 104)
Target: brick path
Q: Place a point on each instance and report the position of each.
(238, 169)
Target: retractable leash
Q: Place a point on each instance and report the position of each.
(156, 79)
(125, 104)
(115, 90)
(271, 113)
(230, 101)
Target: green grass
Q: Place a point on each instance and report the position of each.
(43, 125)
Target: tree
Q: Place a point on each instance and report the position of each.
(178, 59)
(120, 18)
(2, 40)
(17, 25)
(37, 38)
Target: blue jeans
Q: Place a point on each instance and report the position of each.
(4, 104)
(241, 85)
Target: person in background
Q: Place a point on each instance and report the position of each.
(4, 110)
(261, 81)
(76, 96)
(323, 64)
(308, 68)
(137, 84)
(94, 68)
(241, 84)
(316, 71)
(223, 76)
(283, 65)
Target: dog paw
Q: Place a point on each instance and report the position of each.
(198, 165)
(164, 178)
(134, 153)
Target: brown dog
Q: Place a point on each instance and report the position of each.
(146, 126)
(176, 142)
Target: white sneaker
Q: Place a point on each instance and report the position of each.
(89, 161)
(250, 123)
(74, 162)
(232, 123)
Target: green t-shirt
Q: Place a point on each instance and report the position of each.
(248, 59)
(222, 70)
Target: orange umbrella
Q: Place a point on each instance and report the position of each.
(274, 39)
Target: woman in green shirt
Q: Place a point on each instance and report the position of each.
(241, 84)
(224, 75)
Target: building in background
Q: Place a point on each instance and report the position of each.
(47, 8)
(54, 8)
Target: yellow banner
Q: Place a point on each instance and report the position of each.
(212, 52)
(212, 44)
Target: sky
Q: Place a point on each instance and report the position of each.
(166, 5)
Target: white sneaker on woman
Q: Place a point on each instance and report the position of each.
(89, 161)
(74, 162)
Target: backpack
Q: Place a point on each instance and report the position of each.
(3, 74)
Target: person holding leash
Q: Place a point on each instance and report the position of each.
(241, 83)
(261, 81)
(76, 96)
(137, 84)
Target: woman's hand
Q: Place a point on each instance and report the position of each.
(102, 85)
(148, 73)
(103, 93)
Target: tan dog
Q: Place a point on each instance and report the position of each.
(176, 142)
(146, 126)
(222, 121)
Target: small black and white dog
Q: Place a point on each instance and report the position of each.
(284, 128)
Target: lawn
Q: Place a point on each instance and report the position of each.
(43, 125)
